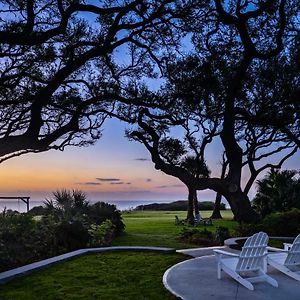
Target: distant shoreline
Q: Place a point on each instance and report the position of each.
(180, 205)
(122, 205)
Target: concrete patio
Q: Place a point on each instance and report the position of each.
(196, 279)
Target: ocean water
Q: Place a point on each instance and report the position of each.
(121, 204)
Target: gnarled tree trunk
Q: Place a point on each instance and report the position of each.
(216, 214)
(241, 207)
(196, 205)
(190, 214)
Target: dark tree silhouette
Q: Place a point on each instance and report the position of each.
(226, 90)
(64, 64)
(216, 214)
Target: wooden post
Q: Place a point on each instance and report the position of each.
(26, 200)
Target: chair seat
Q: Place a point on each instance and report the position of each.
(230, 262)
(279, 257)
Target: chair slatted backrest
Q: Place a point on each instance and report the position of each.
(253, 252)
(293, 257)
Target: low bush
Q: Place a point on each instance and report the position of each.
(197, 237)
(71, 236)
(221, 234)
(101, 235)
(248, 229)
(283, 223)
(37, 211)
(275, 224)
(23, 240)
(16, 237)
(70, 223)
(101, 211)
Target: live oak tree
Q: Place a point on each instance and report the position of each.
(241, 85)
(64, 70)
(64, 64)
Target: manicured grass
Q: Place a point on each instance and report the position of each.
(157, 228)
(123, 275)
(115, 275)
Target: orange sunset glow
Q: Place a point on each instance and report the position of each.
(113, 169)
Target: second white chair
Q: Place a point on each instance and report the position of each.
(288, 259)
(252, 259)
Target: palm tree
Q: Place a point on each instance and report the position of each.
(277, 191)
(67, 205)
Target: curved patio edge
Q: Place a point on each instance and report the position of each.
(27, 269)
(233, 241)
(165, 279)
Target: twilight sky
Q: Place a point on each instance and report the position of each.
(113, 169)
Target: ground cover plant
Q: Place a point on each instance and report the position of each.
(125, 275)
(157, 228)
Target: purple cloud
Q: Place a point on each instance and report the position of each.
(167, 186)
(108, 179)
(89, 183)
(142, 159)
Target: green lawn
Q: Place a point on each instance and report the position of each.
(157, 228)
(125, 275)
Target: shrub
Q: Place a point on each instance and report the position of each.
(197, 237)
(275, 224)
(221, 234)
(70, 223)
(248, 229)
(71, 236)
(17, 240)
(101, 211)
(101, 235)
(44, 241)
(283, 223)
(38, 211)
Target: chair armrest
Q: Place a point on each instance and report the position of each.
(221, 252)
(273, 249)
(287, 246)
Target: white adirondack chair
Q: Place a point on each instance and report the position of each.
(251, 260)
(288, 259)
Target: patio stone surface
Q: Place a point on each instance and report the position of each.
(196, 279)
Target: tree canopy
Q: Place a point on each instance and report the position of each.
(239, 85)
(64, 64)
(68, 65)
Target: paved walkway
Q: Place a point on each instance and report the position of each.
(196, 279)
(197, 252)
